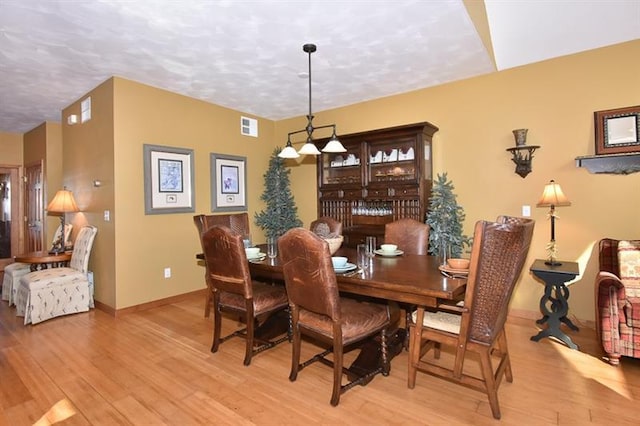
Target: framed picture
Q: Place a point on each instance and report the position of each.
(617, 130)
(168, 180)
(228, 183)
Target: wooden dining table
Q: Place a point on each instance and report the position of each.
(413, 279)
(409, 279)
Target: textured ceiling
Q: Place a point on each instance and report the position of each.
(247, 55)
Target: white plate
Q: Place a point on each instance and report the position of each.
(259, 256)
(388, 254)
(346, 268)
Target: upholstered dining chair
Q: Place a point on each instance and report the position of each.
(237, 222)
(325, 226)
(54, 292)
(318, 311)
(410, 235)
(234, 291)
(498, 255)
(14, 271)
(617, 288)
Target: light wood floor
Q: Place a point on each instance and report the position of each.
(154, 367)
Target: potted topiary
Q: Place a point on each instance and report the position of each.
(281, 213)
(445, 218)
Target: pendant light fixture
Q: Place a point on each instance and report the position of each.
(309, 148)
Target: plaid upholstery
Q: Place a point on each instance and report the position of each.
(618, 298)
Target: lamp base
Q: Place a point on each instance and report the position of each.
(552, 263)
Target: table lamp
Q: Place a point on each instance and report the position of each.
(553, 197)
(63, 202)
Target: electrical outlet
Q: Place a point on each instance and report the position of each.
(167, 272)
(526, 211)
(107, 215)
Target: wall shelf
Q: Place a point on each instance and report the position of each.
(618, 164)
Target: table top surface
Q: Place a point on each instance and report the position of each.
(407, 278)
(565, 267)
(43, 257)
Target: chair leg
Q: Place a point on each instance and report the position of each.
(207, 303)
(295, 354)
(504, 350)
(490, 383)
(217, 325)
(337, 373)
(251, 326)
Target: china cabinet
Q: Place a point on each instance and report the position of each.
(383, 176)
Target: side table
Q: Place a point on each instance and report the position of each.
(44, 259)
(554, 303)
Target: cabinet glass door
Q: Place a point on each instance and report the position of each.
(394, 161)
(342, 168)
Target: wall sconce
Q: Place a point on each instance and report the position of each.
(522, 153)
(72, 119)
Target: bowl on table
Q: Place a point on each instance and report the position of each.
(389, 248)
(456, 263)
(339, 262)
(334, 243)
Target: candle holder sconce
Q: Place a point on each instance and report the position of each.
(522, 153)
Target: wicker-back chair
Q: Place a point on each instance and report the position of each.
(234, 291)
(237, 222)
(497, 256)
(318, 311)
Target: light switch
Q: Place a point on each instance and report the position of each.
(526, 211)
(107, 215)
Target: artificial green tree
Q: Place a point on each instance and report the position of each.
(445, 219)
(281, 213)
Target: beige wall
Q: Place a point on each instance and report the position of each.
(133, 249)
(11, 149)
(89, 155)
(555, 100)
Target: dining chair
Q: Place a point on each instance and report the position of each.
(234, 291)
(49, 293)
(410, 235)
(237, 222)
(498, 254)
(14, 271)
(326, 226)
(318, 311)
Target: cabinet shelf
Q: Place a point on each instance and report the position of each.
(619, 164)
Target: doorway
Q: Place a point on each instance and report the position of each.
(10, 224)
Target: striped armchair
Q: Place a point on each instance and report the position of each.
(617, 289)
(49, 293)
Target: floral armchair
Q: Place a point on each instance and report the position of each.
(617, 289)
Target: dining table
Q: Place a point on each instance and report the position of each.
(405, 278)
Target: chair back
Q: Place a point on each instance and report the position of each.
(498, 255)
(237, 222)
(308, 273)
(82, 249)
(226, 261)
(410, 235)
(514, 220)
(326, 226)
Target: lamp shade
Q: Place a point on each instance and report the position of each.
(334, 145)
(308, 149)
(553, 196)
(63, 202)
(288, 152)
